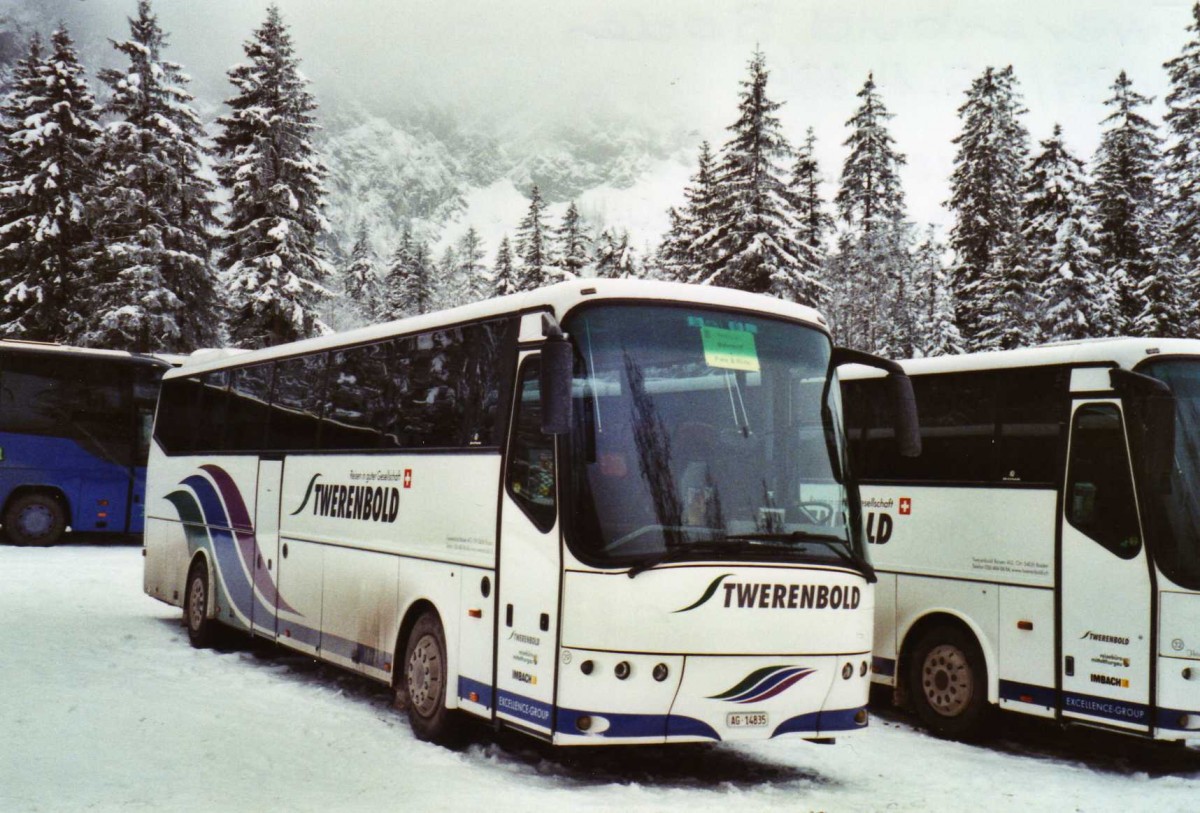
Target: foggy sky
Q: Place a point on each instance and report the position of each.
(677, 63)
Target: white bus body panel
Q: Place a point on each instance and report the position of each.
(743, 646)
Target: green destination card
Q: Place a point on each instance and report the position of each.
(729, 349)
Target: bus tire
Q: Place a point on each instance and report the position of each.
(947, 682)
(423, 683)
(36, 518)
(201, 630)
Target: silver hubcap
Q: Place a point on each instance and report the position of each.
(196, 604)
(947, 680)
(425, 676)
(35, 520)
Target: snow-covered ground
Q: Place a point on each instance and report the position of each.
(105, 706)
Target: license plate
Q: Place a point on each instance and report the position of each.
(746, 719)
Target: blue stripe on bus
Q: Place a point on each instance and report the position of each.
(1028, 693)
(822, 723)
(483, 691)
(1172, 719)
(531, 711)
(637, 725)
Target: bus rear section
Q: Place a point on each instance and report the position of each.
(681, 560)
(74, 431)
(1043, 556)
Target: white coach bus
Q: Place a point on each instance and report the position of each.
(1043, 553)
(636, 531)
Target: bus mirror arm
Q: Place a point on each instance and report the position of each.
(1150, 413)
(558, 358)
(904, 402)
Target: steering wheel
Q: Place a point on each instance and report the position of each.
(819, 512)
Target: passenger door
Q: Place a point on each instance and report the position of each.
(1105, 641)
(266, 546)
(530, 561)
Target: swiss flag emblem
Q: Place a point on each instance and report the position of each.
(905, 506)
(408, 478)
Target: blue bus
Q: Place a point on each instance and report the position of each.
(74, 432)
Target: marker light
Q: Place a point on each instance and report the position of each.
(622, 670)
(847, 671)
(586, 667)
(862, 670)
(860, 717)
(660, 672)
(583, 723)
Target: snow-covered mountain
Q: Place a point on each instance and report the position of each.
(439, 175)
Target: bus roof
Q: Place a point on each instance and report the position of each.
(23, 346)
(559, 299)
(1123, 352)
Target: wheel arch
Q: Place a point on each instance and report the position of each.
(201, 559)
(414, 611)
(949, 618)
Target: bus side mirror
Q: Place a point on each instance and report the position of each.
(1150, 416)
(904, 402)
(558, 359)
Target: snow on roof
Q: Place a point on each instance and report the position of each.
(558, 299)
(22, 345)
(1122, 351)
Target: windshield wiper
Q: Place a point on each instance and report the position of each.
(837, 544)
(675, 554)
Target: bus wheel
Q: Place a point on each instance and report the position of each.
(35, 519)
(424, 683)
(200, 628)
(948, 683)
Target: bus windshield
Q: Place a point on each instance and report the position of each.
(702, 434)
(1173, 517)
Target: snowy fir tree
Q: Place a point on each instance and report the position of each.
(533, 249)
(151, 210)
(1060, 245)
(868, 278)
(272, 260)
(475, 282)
(49, 157)
(16, 107)
(985, 199)
(1010, 318)
(1182, 172)
(813, 223)
(504, 272)
(684, 254)
(362, 287)
(573, 245)
(614, 259)
(1126, 203)
(933, 297)
(408, 284)
(753, 245)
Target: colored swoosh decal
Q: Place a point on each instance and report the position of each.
(708, 593)
(763, 684)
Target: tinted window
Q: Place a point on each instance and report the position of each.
(298, 402)
(85, 399)
(1099, 499)
(358, 404)
(249, 408)
(977, 427)
(179, 414)
(214, 410)
(531, 480)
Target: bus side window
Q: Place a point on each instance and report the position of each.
(1099, 487)
(531, 481)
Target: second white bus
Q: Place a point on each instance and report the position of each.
(1043, 553)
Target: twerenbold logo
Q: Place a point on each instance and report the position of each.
(708, 593)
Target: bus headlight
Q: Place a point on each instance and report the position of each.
(661, 672)
(622, 670)
(847, 671)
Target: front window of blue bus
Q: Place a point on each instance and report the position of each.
(1173, 510)
(703, 434)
